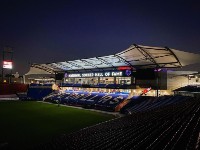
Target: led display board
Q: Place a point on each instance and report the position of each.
(124, 68)
(7, 64)
(99, 74)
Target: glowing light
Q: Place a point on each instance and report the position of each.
(55, 87)
(157, 70)
(146, 90)
(7, 64)
(124, 68)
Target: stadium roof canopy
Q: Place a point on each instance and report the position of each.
(136, 56)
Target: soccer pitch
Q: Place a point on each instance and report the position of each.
(24, 124)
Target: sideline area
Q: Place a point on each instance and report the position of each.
(116, 114)
(25, 124)
(9, 97)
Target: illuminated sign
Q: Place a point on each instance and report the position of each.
(87, 74)
(114, 74)
(146, 90)
(96, 74)
(73, 75)
(124, 68)
(128, 72)
(107, 74)
(7, 64)
(66, 75)
(157, 70)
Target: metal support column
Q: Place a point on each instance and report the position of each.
(157, 82)
(2, 67)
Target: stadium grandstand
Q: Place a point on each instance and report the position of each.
(160, 105)
(109, 82)
(138, 70)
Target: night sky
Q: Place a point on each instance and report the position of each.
(58, 30)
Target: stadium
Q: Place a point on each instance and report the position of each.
(139, 99)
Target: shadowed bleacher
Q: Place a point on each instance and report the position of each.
(172, 126)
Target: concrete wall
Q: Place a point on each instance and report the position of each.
(175, 80)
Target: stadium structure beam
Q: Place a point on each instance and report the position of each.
(68, 67)
(135, 56)
(71, 69)
(168, 49)
(153, 57)
(162, 56)
(54, 65)
(162, 65)
(146, 54)
(42, 68)
(125, 61)
(107, 63)
(63, 70)
(157, 83)
(91, 64)
(76, 65)
(128, 51)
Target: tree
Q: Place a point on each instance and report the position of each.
(9, 76)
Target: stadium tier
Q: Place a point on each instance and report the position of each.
(190, 90)
(137, 67)
(122, 81)
(144, 103)
(114, 100)
(96, 100)
(38, 91)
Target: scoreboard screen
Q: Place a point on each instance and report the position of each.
(7, 64)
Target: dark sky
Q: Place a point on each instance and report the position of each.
(42, 31)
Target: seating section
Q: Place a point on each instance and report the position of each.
(172, 126)
(189, 88)
(37, 91)
(110, 101)
(144, 103)
(97, 100)
(90, 99)
(135, 100)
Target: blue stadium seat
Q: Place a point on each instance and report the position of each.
(37, 93)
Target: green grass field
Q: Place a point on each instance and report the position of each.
(24, 124)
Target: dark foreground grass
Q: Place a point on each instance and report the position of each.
(25, 124)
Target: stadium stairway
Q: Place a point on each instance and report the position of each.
(125, 102)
